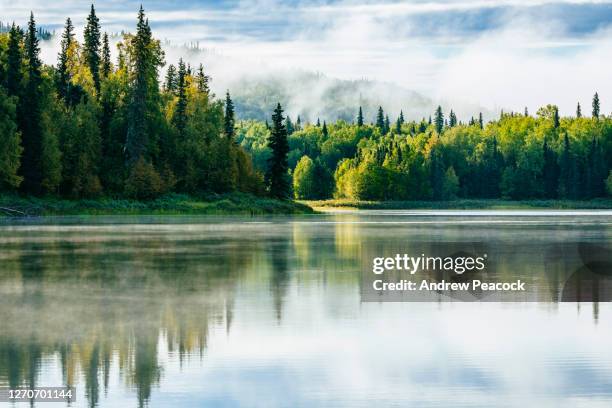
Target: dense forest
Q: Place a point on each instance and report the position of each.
(92, 126)
(518, 156)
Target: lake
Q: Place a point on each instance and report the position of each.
(269, 311)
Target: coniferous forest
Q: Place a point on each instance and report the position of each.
(139, 126)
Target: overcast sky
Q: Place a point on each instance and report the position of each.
(507, 53)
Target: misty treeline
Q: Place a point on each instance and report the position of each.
(92, 125)
(518, 156)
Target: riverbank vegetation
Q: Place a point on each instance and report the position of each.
(170, 204)
(462, 204)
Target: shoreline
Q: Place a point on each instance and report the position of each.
(12, 206)
(467, 204)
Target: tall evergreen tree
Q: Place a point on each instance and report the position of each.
(143, 106)
(14, 62)
(480, 121)
(91, 46)
(578, 111)
(277, 176)
(380, 120)
(387, 124)
(452, 120)
(10, 144)
(439, 120)
(289, 126)
(360, 117)
(556, 122)
(401, 117)
(170, 83)
(596, 106)
(526, 112)
(107, 65)
(180, 113)
(202, 80)
(398, 126)
(30, 116)
(63, 74)
(229, 118)
(324, 130)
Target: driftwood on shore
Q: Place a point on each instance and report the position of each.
(12, 211)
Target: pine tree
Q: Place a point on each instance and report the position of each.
(439, 120)
(170, 84)
(202, 80)
(14, 63)
(398, 126)
(143, 106)
(360, 117)
(578, 111)
(380, 120)
(387, 124)
(63, 74)
(91, 47)
(298, 123)
(555, 118)
(289, 126)
(452, 121)
(277, 176)
(318, 123)
(107, 65)
(229, 118)
(526, 112)
(31, 115)
(180, 113)
(324, 130)
(596, 106)
(480, 121)
(401, 117)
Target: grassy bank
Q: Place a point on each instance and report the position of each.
(175, 204)
(463, 204)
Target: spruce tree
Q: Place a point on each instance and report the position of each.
(277, 176)
(14, 62)
(107, 65)
(380, 120)
(401, 117)
(289, 126)
(360, 117)
(439, 120)
(229, 118)
(202, 80)
(143, 106)
(63, 74)
(324, 130)
(170, 84)
(387, 125)
(555, 117)
(398, 126)
(578, 111)
(452, 121)
(180, 113)
(596, 106)
(480, 121)
(91, 47)
(31, 115)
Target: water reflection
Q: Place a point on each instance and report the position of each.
(108, 305)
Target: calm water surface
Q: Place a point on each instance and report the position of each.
(266, 312)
